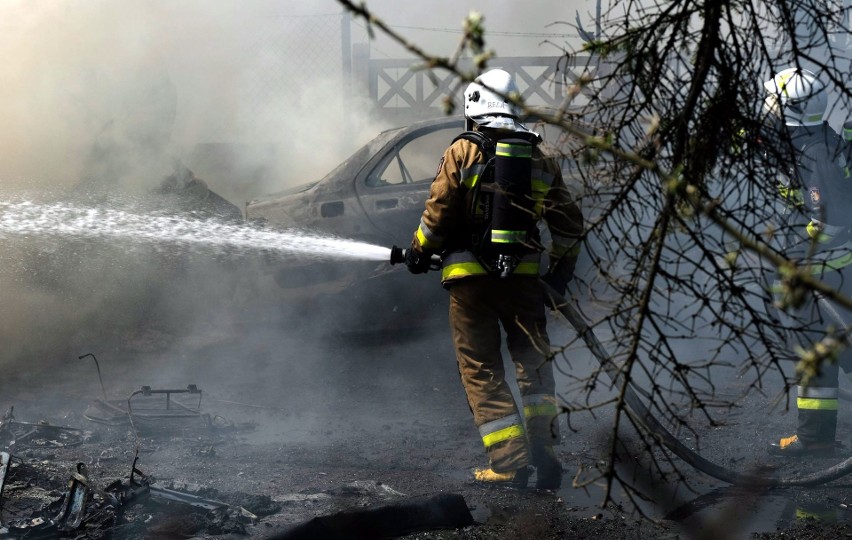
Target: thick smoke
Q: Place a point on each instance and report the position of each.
(100, 103)
(119, 104)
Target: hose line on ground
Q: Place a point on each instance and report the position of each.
(644, 416)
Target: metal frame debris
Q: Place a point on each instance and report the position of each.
(148, 406)
(39, 434)
(83, 508)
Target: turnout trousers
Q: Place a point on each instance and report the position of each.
(478, 307)
(817, 402)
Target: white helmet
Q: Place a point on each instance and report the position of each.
(801, 95)
(485, 104)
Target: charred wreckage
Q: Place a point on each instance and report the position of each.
(46, 494)
(35, 505)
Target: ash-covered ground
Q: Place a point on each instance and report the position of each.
(301, 420)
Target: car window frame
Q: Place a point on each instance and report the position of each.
(393, 153)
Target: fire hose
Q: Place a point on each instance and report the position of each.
(643, 415)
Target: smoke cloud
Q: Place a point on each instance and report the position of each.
(101, 101)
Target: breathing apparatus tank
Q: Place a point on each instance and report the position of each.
(512, 212)
(503, 219)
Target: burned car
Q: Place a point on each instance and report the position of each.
(375, 196)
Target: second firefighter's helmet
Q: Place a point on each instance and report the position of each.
(798, 95)
(486, 103)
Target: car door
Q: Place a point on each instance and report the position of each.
(394, 187)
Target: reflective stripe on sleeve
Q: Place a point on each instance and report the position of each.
(470, 175)
(503, 429)
(427, 238)
(540, 185)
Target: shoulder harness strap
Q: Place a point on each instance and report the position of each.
(485, 144)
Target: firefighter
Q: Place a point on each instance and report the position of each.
(493, 185)
(815, 228)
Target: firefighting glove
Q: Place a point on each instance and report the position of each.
(417, 263)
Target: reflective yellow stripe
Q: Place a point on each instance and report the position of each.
(540, 409)
(508, 237)
(476, 269)
(514, 150)
(424, 241)
(815, 232)
(792, 195)
(540, 187)
(511, 432)
(527, 268)
(462, 269)
(421, 237)
(812, 404)
(470, 176)
(470, 181)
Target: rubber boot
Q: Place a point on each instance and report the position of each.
(547, 467)
(793, 447)
(515, 479)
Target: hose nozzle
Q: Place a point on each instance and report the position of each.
(397, 255)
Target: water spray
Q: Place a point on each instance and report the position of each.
(25, 219)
